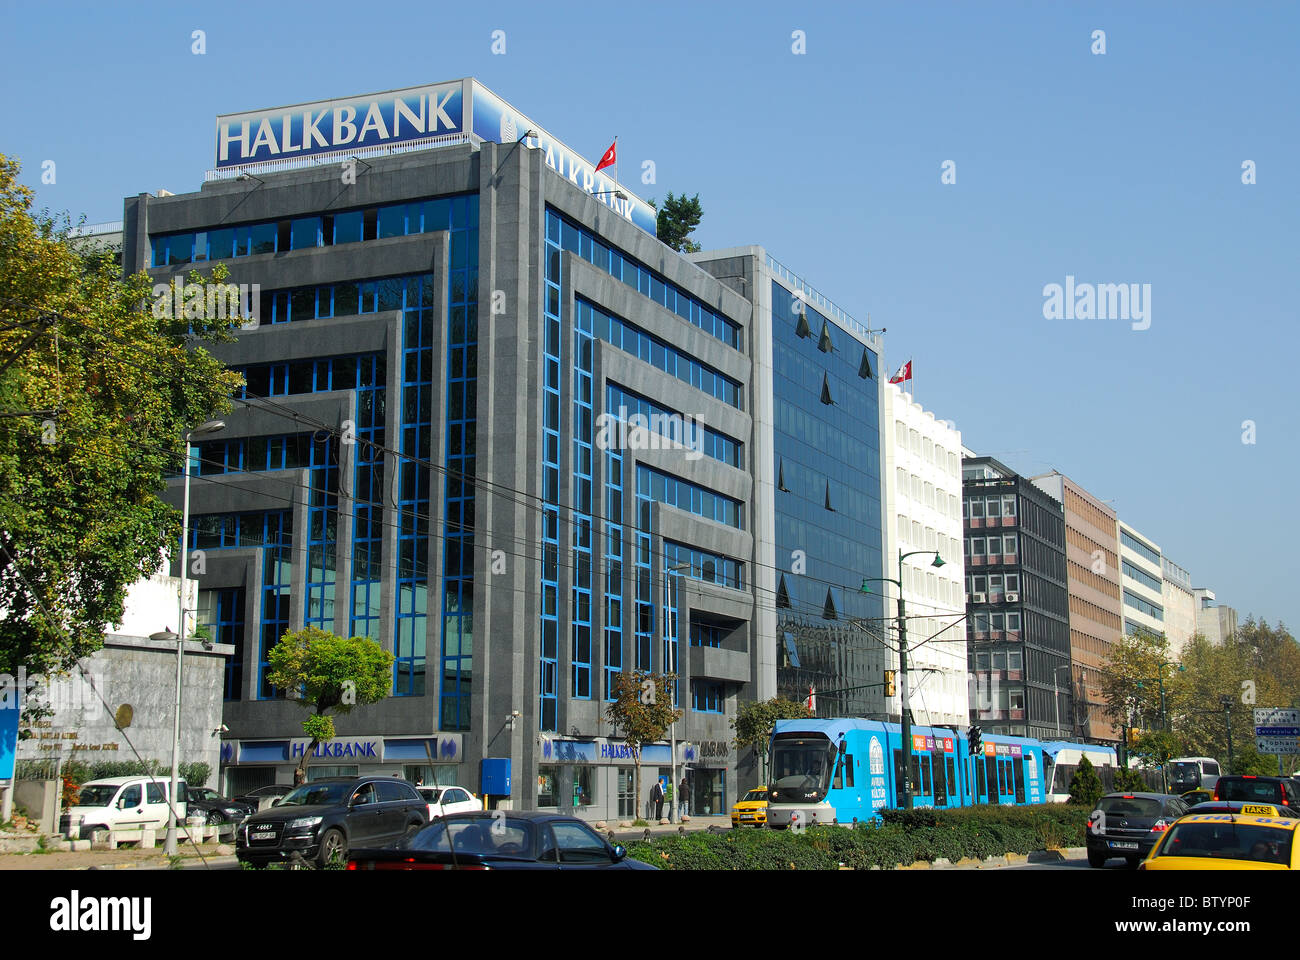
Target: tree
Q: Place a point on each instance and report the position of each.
(677, 220)
(1130, 780)
(643, 711)
(1128, 683)
(755, 720)
(95, 395)
(1155, 748)
(1085, 785)
(326, 673)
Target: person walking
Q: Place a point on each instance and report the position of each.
(684, 798)
(657, 798)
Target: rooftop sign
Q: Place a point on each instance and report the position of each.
(413, 117)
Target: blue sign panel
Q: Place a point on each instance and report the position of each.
(496, 120)
(445, 748)
(331, 126)
(8, 739)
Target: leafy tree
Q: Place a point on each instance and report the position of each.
(1155, 748)
(328, 674)
(755, 720)
(643, 711)
(677, 220)
(1247, 761)
(95, 395)
(1085, 786)
(1126, 779)
(1127, 684)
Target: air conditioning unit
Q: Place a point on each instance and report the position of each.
(978, 598)
(1013, 598)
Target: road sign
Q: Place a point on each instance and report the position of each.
(1277, 730)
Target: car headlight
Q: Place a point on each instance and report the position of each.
(233, 811)
(303, 823)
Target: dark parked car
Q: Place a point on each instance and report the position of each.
(270, 793)
(217, 808)
(1129, 824)
(1280, 791)
(500, 840)
(323, 819)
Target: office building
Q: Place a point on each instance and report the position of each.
(1142, 581)
(1214, 621)
(1179, 601)
(1018, 628)
(1093, 573)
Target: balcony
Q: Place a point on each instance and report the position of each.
(717, 663)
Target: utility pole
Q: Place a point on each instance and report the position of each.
(1227, 723)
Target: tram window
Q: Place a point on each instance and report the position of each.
(952, 777)
(898, 776)
(848, 769)
(979, 778)
(837, 782)
(940, 783)
(924, 764)
(992, 764)
(1020, 780)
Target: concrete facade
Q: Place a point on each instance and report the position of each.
(922, 475)
(515, 189)
(1092, 562)
(1142, 581)
(1214, 621)
(1179, 602)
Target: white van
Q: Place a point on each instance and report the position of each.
(1193, 773)
(122, 803)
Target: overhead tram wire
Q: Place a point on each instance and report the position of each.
(512, 494)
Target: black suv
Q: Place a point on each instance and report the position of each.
(1129, 824)
(1279, 791)
(322, 820)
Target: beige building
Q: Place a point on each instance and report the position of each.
(1216, 621)
(1093, 572)
(1179, 602)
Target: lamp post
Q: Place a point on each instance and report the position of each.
(906, 733)
(204, 429)
(1056, 698)
(675, 613)
(1226, 702)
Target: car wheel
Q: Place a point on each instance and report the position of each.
(216, 818)
(1096, 859)
(332, 845)
(412, 829)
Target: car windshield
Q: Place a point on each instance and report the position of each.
(1264, 790)
(756, 795)
(481, 836)
(1130, 806)
(1185, 772)
(319, 794)
(97, 795)
(1226, 840)
(204, 793)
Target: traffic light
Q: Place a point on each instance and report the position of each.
(890, 689)
(975, 740)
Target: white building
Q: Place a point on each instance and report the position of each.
(1179, 604)
(1217, 621)
(922, 470)
(1142, 580)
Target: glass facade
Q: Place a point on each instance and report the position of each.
(828, 506)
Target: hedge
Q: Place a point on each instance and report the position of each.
(905, 837)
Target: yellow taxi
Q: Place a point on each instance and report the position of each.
(1227, 841)
(751, 809)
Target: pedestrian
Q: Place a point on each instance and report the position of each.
(684, 798)
(657, 798)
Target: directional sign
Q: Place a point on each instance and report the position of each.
(1277, 730)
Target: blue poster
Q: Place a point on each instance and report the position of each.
(8, 741)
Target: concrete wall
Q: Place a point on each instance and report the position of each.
(41, 800)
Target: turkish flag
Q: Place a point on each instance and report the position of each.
(609, 158)
(904, 373)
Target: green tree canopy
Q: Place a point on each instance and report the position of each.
(95, 396)
(1085, 786)
(642, 711)
(677, 220)
(755, 720)
(328, 674)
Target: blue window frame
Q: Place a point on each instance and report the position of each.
(552, 346)
(622, 404)
(707, 697)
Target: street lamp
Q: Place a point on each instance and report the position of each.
(1056, 698)
(202, 430)
(672, 727)
(1226, 702)
(906, 733)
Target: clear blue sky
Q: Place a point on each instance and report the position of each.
(1117, 168)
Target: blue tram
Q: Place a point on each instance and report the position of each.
(846, 770)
